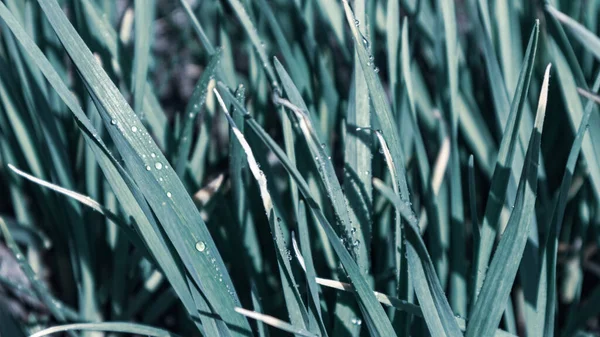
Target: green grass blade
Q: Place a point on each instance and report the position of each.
(158, 182)
(122, 327)
(504, 266)
(502, 170)
(321, 157)
(436, 310)
(295, 307)
(144, 17)
(550, 246)
(192, 110)
(387, 122)
(308, 265)
(571, 77)
(370, 307)
(396, 302)
(259, 46)
(277, 323)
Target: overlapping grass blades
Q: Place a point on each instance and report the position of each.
(505, 263)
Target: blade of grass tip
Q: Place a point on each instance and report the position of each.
(364, 294)
(436, 310)
(503, 268)
(143, 21)
(275, 322)
(126, 191)
(296, 308)
(502, 170)
(304, 255)
(39, 288)
(192, 110)
(93, 204)
(168, 198)
(550, 246)
(259, 46)
(122, 327)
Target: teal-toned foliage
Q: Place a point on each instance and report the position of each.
(299, 167)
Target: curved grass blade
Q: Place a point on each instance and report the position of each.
(436, 310)
(143, 21)
(588, 40)
(125, 189)
(275, 322)
(550, 246)
(295, 307)
(502, 170)
(369, 305)
(122, 327)
(321, 158)
(504, 266)
(93, 204)
(158, 182)
(571, 77)
(392, 301)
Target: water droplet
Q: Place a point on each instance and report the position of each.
(169, 194)
(376, 70)
(200, 246)
(278, 219)
(356, 23)
(371, 58)
(322, 145)
(356, 243)
(133, 129)
(365, 42)
(353, 230)
(113, 121)
(152, 155)
(148, 168)
(158, 165)
(358, 129)
(356, 321)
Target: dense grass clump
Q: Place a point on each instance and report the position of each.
(299, 167)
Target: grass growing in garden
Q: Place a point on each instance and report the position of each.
(299, 167)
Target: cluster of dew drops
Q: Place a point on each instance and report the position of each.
(157, 164)
(218, 275)
(367, 46)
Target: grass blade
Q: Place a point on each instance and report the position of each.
(158, 182)
(144, 17)
(502, 170)
(122, 327)
(503, 268)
